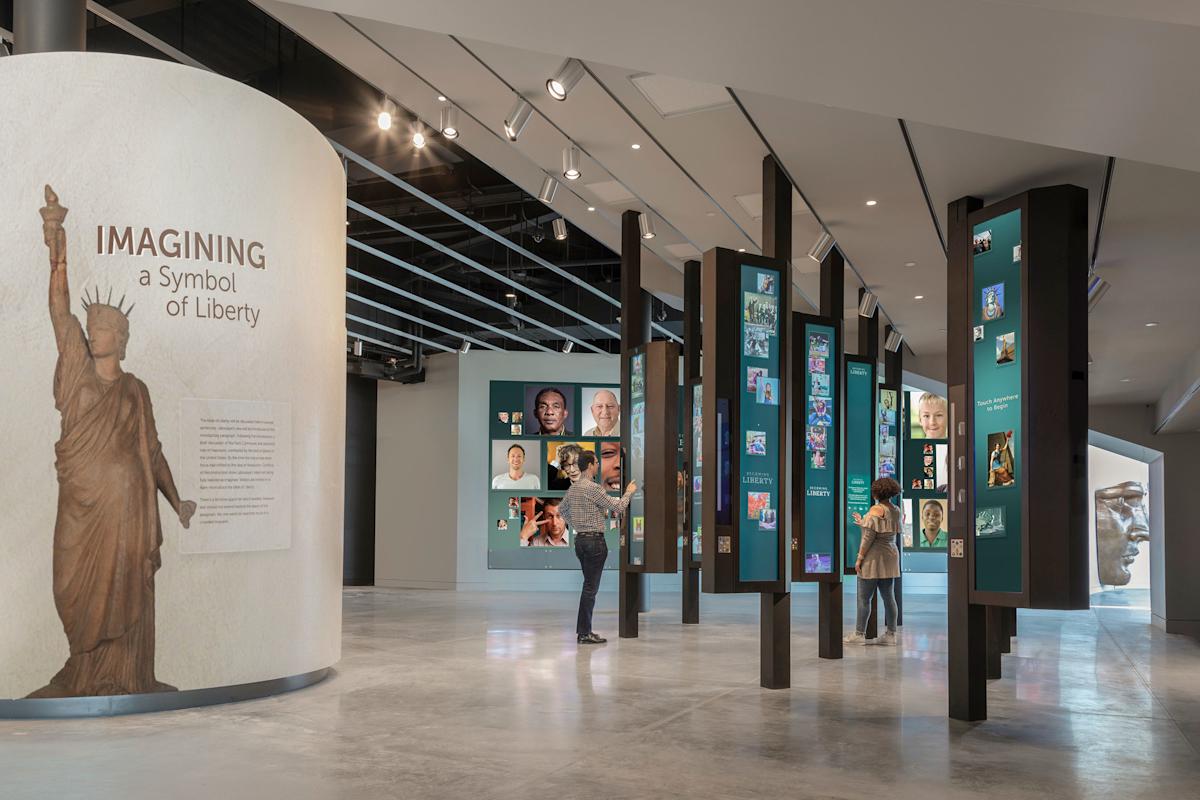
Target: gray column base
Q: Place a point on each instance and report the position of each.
(116, 705)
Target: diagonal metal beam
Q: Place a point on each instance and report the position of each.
(422, 322)
(397, 332)
(396, 290)
(468, 293)
(470, 262)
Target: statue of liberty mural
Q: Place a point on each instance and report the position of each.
(110, 468)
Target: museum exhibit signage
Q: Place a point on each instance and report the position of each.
(1027, 400)
(537, 429)
(817, 414)
(650, 541)
(174, 346)
(745, 427)
(925, 470)
(859, 430)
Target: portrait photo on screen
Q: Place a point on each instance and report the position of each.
(562, 463)
(542, 523)
(816, 437)
(753, 374)
(819, 384)
(906, 521)
(991, 303)
(818, 563)
(931, 524)
(767, 520)
(516, 464)
(942, 463)
(1001, 463)
(819, 411)
(756, 443)
(766, 282)
(928, 416)
(756, 342)
(761, 310)
(610, 466)
(549, 410)
(887, 407)
(818, 345)
(1006, 348)
(601, 409)
(756, 502)
(989, 523)
(981, 242)
(768, 391)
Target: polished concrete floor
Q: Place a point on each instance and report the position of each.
(465, 695)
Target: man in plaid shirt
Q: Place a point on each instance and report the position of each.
(587, 508)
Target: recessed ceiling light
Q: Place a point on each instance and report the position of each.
(418, 140)
(636, 146)
(591, 208)
(384, 120)
(1126, 380)
(441, 98)
(872, 202)
(741, 249)
(918, 297)
(1151, 324)
(910, 263)
(509, 295)
(710, 213)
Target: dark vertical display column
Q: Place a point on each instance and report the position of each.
(692, 461)
(743, 435)
(859, 429)
(652, 521)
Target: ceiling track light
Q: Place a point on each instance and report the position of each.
(449, 124)
(570, 158)
(568, 346)
(358, 348)
(821, 247)
(560, 228)
(465, 347)
(565, 79)
(418, 140)
(517, 119)
(867, 304)
(549, 189)
(893, 341)
(385, 116)
(646, 225)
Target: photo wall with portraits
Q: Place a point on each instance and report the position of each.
(925, 472)
(536, 433)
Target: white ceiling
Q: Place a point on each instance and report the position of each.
(984, 112)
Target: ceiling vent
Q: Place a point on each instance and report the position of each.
(752, 204)
(674, 97)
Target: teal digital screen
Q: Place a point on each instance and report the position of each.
(820, 447)
(887, 443)
(697, 466)
(760, 432)
(997, 351)
(637, 457)
(860, 430)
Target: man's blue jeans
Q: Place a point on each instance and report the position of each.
(592, 552)
(866, 588)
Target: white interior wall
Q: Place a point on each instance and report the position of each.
(1106, 468)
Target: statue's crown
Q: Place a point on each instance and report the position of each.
(92, 306)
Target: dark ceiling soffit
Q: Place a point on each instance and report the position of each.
(912, 154)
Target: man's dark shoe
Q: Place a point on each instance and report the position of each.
(592, 638)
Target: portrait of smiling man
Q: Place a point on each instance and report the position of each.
(605, 409)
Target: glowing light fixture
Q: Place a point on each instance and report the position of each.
(384, 120)
(646, 225)
(570, 159)
(872, 202)
(418, 140)
(565, 79)
(449, 124)
(517, 119)
(568, 346)
(560, 228)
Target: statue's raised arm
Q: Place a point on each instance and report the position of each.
(55, 238)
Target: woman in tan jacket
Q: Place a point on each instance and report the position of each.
(878, 563)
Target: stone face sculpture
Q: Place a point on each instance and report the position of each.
(1122, 523)
(110, 470)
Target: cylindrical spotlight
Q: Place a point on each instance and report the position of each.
(867, 304)
(893, 341)
(568, 346)
(418, 140)
(646, 225)
(564, 79)
(449, 124)
(517, 119)
(465, 347)
(560, 228)
(549, 189)
(384, 120)
(821, 247)
(571, 162)
(358, 347)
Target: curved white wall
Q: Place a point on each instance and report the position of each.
(147, 144)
